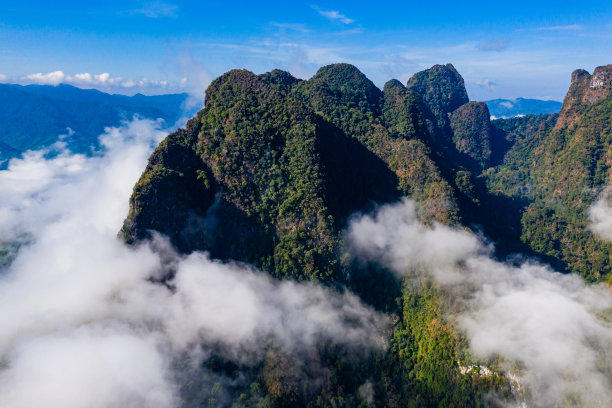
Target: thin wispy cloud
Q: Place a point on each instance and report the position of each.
(301, 28)
(357, 30)
(157, 9)
(495, 45)
(571, 27)
(401, 61)
(334, 15)
(486, 83)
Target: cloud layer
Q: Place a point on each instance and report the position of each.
(86, 324)
(554, 326)
(103, 81)
(600, 215)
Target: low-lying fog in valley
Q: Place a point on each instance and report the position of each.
(87, 322)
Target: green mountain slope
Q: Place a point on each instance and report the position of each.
(285, 182)
(269, 173)
(558, 169)
(34, 116)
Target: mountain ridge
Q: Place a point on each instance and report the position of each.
(35, 115)
(270, 173)
(507, 108)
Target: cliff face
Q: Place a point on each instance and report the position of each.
(258, 177)
(561, 170)
(585, 90)
(472, 131)
(272, 167)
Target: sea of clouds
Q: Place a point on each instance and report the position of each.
(85, 319)
(552, 329)
(90, 321)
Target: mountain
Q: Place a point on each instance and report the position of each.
(556, 168)
(270, 172)
(272, 169)
(34, 116)
(506, 108)
(276, 184)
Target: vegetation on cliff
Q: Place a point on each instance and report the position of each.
(270, 171)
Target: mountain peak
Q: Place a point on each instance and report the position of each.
(283, 80)
(341, 71)
(591, 88)
(602, 78)
(442, 88)
(234, 81)
(346, 83)
(393, 83)
(578, 74)
(585, 89)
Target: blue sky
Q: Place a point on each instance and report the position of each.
(502, 49)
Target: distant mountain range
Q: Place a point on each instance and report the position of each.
(507, 108)
(34, 116)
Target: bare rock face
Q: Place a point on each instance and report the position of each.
(585, 89)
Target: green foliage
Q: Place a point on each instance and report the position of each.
(442, 89)
(472, 132)
(430, 352)
(261, 146)
(391, 125)
(558, 170)
(272, 168)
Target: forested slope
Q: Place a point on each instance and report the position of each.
(273, 167)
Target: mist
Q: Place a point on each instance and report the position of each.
(86, 321)
(600, 215)
(552, 330)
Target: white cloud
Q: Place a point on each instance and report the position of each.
(600, 215)
(52, 78)
(86, 78)
(103, 81)
(83, 322)
(552, 325)
(334, 15)
(301, 28)
(87, 367)
(157, 9)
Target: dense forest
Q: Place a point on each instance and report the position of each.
(272, 169)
